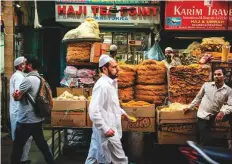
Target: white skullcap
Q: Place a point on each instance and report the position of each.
(169, 49)
(104, 59)
(113, 48)
(19, 60)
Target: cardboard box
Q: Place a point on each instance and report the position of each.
(68, 113)
(95, 52)
(69, 118)
(165, 117)
(222, 130)
(145, 119)
(68, 104)
(176, 133)
(75, 91)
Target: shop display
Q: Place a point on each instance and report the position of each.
(174, 107)
(126, 94)
(212, 44)
(78, 52)
(135, 103)
(151, 72)
(126, 75)
(184, 82)
(87, 29)
(68, 96)
(151, 93)
(70, 71)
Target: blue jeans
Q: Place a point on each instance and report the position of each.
(22, 133)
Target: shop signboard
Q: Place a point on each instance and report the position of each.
(102, 14)
(106, 2)
(196, 15)
(230, 16)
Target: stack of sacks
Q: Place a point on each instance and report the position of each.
(126, 81)
(151, 82)
(74, 77)
(185, 82)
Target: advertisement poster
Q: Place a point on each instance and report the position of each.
(230, 16)
(197, 15)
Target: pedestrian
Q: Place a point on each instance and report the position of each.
(15, 80)
(105, 113)
(29, 124)
(113, 51)
(212, 97)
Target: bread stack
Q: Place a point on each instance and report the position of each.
(184, 82)
(151, 82)
(126, 82)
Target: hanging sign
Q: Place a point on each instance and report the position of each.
(197, 15)
(78, 13)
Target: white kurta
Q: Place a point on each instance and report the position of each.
(15, 81)
(105, 113)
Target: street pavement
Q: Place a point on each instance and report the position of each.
(160, 154)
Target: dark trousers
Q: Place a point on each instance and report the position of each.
(22, 133)
(204, 135)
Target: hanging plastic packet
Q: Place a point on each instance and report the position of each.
(155, 53)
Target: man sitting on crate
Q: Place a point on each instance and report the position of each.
(215, 100)
(105, 113)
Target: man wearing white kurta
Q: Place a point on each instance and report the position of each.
(15, 81)
(105, 113)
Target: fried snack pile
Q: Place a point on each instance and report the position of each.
(151, 79)
(68, 96)
(126, 81)
(126, 75)
(126, 94)
(78, 52)
(135, 103)
(151, 72)
(151, 93)
(174, 107)
(213, 44)
(186, 81)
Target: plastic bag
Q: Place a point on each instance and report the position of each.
(154, 53)
(70, 71)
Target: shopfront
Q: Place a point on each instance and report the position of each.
(188, 21)
(130, 26)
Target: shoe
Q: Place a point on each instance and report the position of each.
(26, 162)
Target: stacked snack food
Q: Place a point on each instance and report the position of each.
(184, 82)
(126, 81)
(151, 80)
(80, 51)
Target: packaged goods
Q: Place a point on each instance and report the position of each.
(126, 75)
(70, 71)
(87, 73)
(87, 29)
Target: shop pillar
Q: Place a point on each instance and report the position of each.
(8, 11)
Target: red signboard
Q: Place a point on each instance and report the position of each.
(197, 15)
(230, 16)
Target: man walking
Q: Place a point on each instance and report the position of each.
(15, 80)
(29, 124)
(212, 96)
(105, 113)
